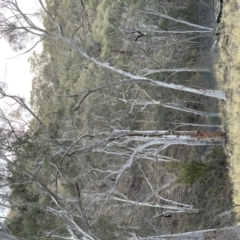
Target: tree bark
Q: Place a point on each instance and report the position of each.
(171, 137)
(227, 233)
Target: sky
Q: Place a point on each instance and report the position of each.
(15, 71)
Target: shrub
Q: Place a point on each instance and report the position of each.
(189, 171)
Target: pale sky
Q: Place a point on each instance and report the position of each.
(15, 71)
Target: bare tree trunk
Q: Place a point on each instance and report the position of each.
(5, 236)
(196, 26)
(145, 103)
(228, 233)
(171, 137)
(181, 124)
(152, 71)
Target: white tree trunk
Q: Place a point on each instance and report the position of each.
(152, 71)
(227, 233)
(206, 92)
(5, 236)
(173, 208)
(145, 103)
(170, 137)
(181, 124)
(196, 26)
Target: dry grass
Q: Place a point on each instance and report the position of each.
(228, 75)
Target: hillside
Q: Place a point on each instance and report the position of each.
(109, 153)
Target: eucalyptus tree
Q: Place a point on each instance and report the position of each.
(43, 168)
(20, 21)
(37, 171)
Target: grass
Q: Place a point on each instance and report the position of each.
(228, 75)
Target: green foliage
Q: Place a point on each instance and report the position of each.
(105, 27)
(188, 13)
(68, 188)
(218, 154)
(218, 158)
(32, 223)
(192, 171)
(106, 228)
(92, 3)
(189, 172)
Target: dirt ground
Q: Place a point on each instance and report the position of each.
(228, 75)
